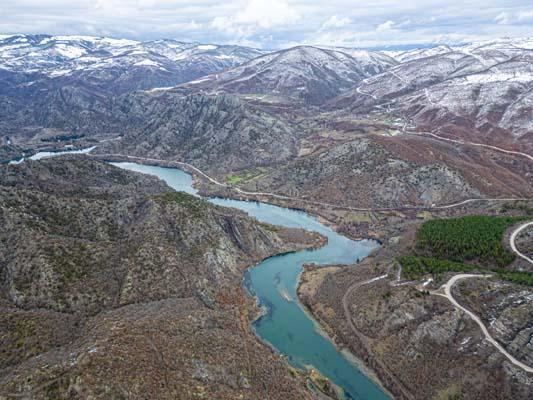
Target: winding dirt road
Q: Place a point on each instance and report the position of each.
(488, 146)
(448, 294)
(512, 240)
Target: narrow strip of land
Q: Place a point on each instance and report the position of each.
(363, 338)
(448, 294)
(512, 241)
(307, 201)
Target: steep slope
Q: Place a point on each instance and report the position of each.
(421, 340)
(218, 133)
(114, 286)
(64, 85)
(304, 73)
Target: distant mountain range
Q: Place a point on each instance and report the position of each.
(124, 65)
(82, 85)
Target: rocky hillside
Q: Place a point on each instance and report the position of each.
(385, 172)
(219, 133)
(64, 85)
(116, 65)
(112, 285)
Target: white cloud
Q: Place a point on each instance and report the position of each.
(335, 22)
(525, 15)
(502, 18)
(257, 15)
(385, 26)
(272, 23)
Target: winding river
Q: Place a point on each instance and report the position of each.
(285, 325)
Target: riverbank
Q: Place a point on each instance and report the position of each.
(355, 344)
(306, 288)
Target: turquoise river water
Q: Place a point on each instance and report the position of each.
(285, 325)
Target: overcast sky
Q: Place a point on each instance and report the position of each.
(275, 23)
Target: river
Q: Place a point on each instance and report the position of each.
(49, 154)
(285, 325)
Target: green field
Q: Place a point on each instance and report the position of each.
(234, 179)
(246, 176)
(472, 238)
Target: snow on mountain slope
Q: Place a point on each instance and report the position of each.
(403, 56)
(480, 92)
(502, 46)
(372, 62)
(101, 60)
(306, 73)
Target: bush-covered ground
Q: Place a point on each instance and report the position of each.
(472, 238)
(415, 267)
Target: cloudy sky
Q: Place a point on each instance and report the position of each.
(275, 23)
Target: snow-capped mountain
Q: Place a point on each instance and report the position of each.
(372, 62)
(306, 73)
(501, 46)
(127, 64)
(481, 91)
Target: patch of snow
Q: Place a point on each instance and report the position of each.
(136, 52)
(200, 80)
(70, 51)
(60, 72)
(206, 47)
(427, 282)
(159, 89)
(71, 38)
(498, 77)
(120, 42)
(465, 340)
(146, 62)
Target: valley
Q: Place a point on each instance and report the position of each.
(105, 269)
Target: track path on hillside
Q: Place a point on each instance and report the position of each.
(517, 153)
(313, 202)
(448, 294)
(365, 339)
(512, 240)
